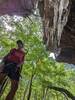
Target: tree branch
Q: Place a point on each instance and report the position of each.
(62, 90)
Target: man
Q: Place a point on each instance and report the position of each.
(12, 66)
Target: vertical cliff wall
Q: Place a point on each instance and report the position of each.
(54, 14)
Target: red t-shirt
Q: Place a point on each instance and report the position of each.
(16, 55)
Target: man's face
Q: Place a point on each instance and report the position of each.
(20, 45)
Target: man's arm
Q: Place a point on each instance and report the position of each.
(19, 67)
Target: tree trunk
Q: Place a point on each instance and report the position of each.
(26, 89)
(45, 94)
(30, 88)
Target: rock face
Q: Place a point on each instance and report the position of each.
(59, 27)
(54, 14)
(67, 42)
(17, 7)
(68, 34)
(47, 13)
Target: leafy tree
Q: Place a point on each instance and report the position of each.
(42, 77)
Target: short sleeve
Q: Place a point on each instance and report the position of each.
(12, 50)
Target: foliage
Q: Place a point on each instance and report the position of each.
(45, 71)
